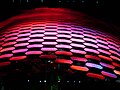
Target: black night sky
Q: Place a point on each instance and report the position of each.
(107, 10)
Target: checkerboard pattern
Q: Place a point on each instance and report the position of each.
(95, 53)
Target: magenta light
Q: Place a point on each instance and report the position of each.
(24, 35)
(50, 30)
(48, 49)
(79, 59)
(76, 35)
(10, 35)
(77, 40)
(78, 51)
(114, 52)
(37, 31)
(109, 74)
(78, 32)
(22, 39)
(63, 46)
(65, 36)
(91, 36)
(21, 44)
(6, 56)
(7, 49)
(115, 58)
(77, 45)
(103, 46)
(24, 31)
(36, 35)
(101, 41)
(90, 40)
(10, 39)
(67, 32)
(91, 50)
(54, 42)
(99, 37)
(33, 53)
(91, 45)
(113, 44)
(112, 47)
(64, 40)
(35, 46)
(49, 43)
(50, 38)
(9, 44)
(104, 51)
(50, 33)
(107, 65)
(36, 40)
(19, 50)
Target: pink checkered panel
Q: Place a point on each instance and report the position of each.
(92, 52)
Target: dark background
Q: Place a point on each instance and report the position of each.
(106, 10)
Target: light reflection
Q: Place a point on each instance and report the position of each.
(109, 74)
(94, 65)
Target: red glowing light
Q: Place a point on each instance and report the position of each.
(63, 61)
(92, 57)
(94, 75)
(17, 58)
(61, 42)
(63, 53)
(79, 68)
(4, 64)
(105, 57)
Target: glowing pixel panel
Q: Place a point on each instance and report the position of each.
(94, 65)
